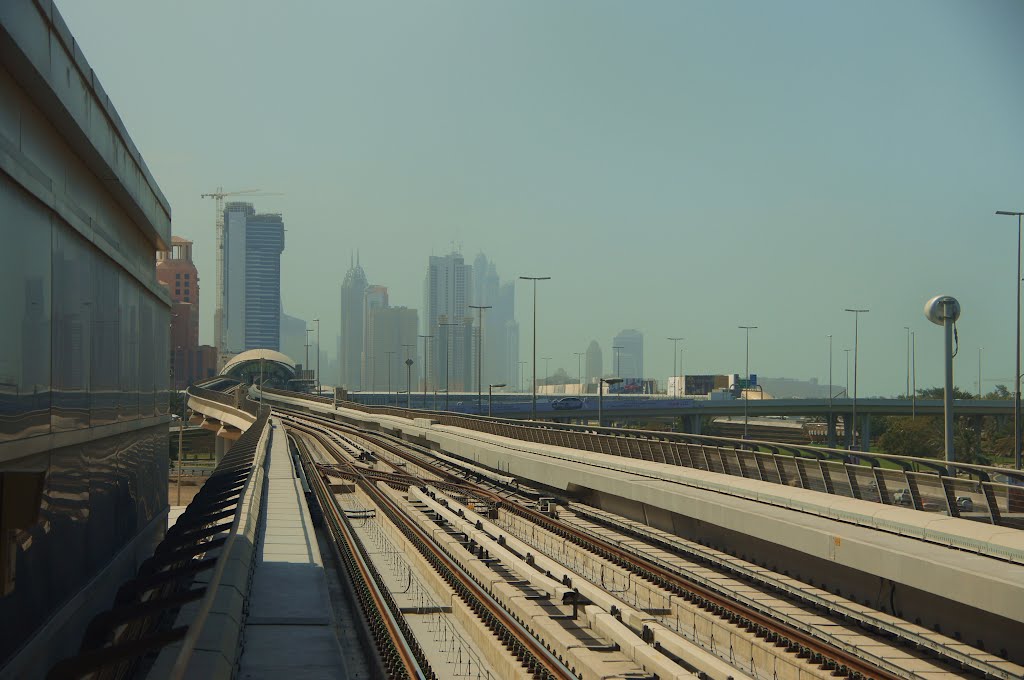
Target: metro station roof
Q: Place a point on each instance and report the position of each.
(256, 355)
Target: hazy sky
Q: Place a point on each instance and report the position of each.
(676, 167)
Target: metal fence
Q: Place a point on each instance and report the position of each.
(975, 492)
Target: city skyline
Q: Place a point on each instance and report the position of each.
(689, 156)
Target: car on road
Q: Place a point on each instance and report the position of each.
(567, 403)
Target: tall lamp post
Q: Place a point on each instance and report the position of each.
(447, 356)
(847, 388)
(600, 397)
(856, 340)
(618, 358)
(579, 368)
(521, 364)
(408, 378)
(1016, 389)
(913, 375)
(907, 328)
(535, 279)
(675, 365)
(306, 367)
(317, 322)
(389, 355)
(746, 392)
(479, 354)
(830, 377)
(490, 396)
(980, 393)
(425, 362)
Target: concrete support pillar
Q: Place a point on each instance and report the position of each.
(830, 420)
(694, 424)
(847, 431)
(865, 433)
(220, 447)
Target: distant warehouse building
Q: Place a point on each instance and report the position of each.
(84, 353)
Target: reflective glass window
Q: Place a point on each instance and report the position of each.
(25, 309)
(106, 357)
(129, 330)
(147, 355)
(74, 311)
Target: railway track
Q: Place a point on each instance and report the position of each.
(538, 661)
(649, 559)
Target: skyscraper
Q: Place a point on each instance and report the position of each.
(253, 244)
(630, 360)
(595, 362)
(387, 330)
(374, 297)
(293, 338)
(177, 273)
(350, 346)
(264, 244)
(446, 296)
(500, 330)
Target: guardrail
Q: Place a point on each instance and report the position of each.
(919, 483)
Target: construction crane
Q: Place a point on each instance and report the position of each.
(218, 315)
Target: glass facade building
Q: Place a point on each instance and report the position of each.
(84, 345)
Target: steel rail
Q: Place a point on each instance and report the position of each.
(411, 663)
(796, 640)
(544, 661)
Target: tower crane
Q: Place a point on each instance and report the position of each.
(218, 316)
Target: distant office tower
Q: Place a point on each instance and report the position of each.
(350, 346)
(177, 273)
(595, 362)
(387, 330)
(500, 330)
(293, 339)
(253, 244)
(630, 360)
(446, 296)
(375, 297)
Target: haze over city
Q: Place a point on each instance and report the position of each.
(677, 168)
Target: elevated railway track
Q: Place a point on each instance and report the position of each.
(482, 530)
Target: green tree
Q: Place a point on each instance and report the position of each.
(1000, 392)
(906, 436)
(939, 393)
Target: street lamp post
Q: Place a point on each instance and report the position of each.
(447, 358)
(746, 392)
(317, 322)
(479, 354)
(389, 355)
(408, 378)
(1016, 389)
(913, 375)
(907, 328)
(490, 396)
(425, 362)
(408, 383)
(830, 377)
(856, 341)
(600, 397)
(579, 368)
(980, 393)
(675, 365)
(305, 368)
(521, 364)
(535, 279)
